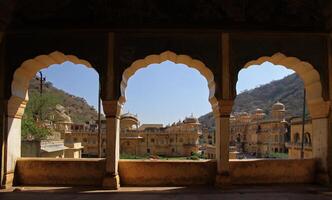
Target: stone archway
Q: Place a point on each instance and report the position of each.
(171, 56)
(28, 69)
(319, 108)
(113, 108)
(304, 70)
(19, 98)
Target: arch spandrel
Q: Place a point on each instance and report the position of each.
(27, 70)
(178, 59)
(304, 70)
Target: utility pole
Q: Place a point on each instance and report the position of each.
(303, 123)
(41, 80)
(99, 125)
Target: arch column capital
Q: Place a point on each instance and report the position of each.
(319, 109)
(112, 108)
(16, 106)
(224, 108)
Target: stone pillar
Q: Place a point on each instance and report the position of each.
(320, 125)
(2, 143)
(329, 144)
(112, 110)
(222, 142)
(2, 115)
(12, 144)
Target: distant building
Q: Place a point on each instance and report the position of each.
(54, 146)
(43, 148)
(87, 135)
(178, 139)
(295, 143)
(257, 134)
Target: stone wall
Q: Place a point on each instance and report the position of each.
(166, 173)
(48, 171)
(272, 171)
(64, 171)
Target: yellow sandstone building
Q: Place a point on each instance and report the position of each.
(260, 135)
(253, 135)
(295, 144)
(178, 139)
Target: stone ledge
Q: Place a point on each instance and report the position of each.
(59, 171)
(91, 172)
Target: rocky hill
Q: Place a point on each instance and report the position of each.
(79, 110)
(288, 91)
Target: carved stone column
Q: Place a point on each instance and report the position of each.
(222, 141)
(15, 111)
(112, 110)
(320, 125)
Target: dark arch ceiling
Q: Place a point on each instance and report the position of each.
(305, 15)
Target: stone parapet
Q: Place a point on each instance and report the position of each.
(91, 172)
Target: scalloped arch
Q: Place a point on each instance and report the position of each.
(171, 56)
(304, 70)
(27, 70)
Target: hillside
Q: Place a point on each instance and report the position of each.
(79, 110)
(288, 91)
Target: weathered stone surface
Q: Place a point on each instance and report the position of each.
(273, 171)
(72, 172)
(43, 172)
(166, 173)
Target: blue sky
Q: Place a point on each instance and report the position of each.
(160, 93)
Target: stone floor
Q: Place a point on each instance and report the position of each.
(285, 192)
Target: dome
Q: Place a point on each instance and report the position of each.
(278, 106)
(191, 119)
(243, 114)
(129, 121)
(129, 115)
(259, 111)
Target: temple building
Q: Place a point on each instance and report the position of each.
(178, 139)
(54, 145)
(295, 144)
(259, 134)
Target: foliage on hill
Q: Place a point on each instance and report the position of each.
(39, 109)
(288, 91)
(43, 109)
(78, 109)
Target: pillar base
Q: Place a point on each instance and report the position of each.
(111, 182)
(8, 180)
(223, 180)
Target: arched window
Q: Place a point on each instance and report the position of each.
(297, 138)
(307, 139)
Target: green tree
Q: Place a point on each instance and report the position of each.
(30, 130)
(38, 110)
(40, 107)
